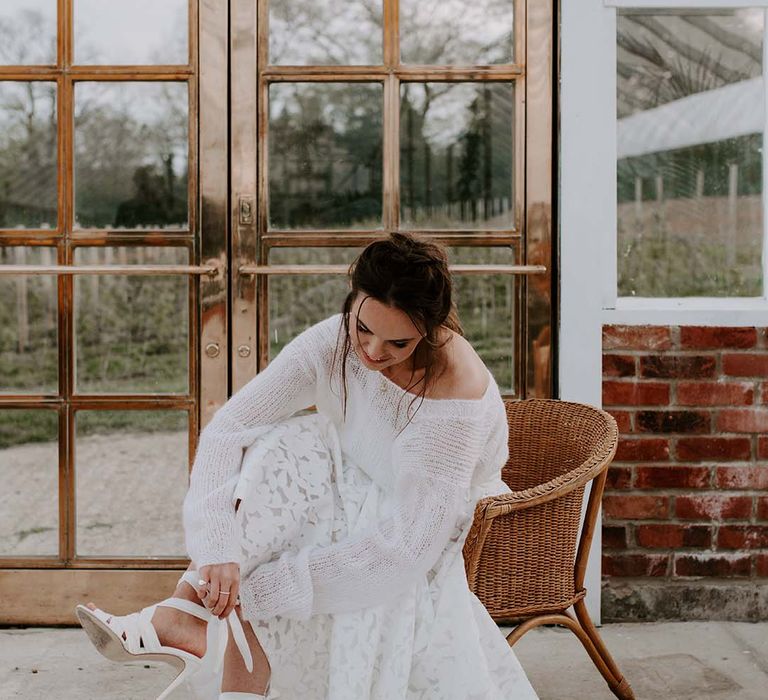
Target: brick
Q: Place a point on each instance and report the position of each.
(708, 337)
(697, 449)
(743, 420)
(618, 477)
(635, 564)
(619, 366)
(671, 536)
(672, 421)
(714, 507)
(715, 393)
(677, 366)
(742, 477)
(632, 507)
(762, 447)
(714, 565)
(636, 338)
(742, 536)
(635, 394)
(642, 450)
(622, 418)
(745, 364)
(671, 477)
(614, 537)
(762, 508)
(764, 392)
(761, 565)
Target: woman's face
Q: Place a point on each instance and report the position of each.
(381, 332)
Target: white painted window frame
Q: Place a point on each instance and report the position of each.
(588, 216)
(720, 311)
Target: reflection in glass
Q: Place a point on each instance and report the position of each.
(456, 32)
(131, 331)
(298, 301)
(29, 473)
(27, 32)
(131, 476)
(690, 98)
(116, 32)
(456, 157)
(486, 309)
(28, 324)
(325, 142)
(28, 196)
(131, 155)
(325, 32)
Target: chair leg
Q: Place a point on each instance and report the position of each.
(618, 684)
(590, 640)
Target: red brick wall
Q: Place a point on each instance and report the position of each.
(687, 494)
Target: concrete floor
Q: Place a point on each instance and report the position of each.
(669, 661)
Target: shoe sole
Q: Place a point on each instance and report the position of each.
(109, 645)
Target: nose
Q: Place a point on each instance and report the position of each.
(375, 350)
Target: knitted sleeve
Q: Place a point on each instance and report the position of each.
(434, 461)
(285, 386)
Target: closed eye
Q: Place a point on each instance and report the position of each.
(400, 344)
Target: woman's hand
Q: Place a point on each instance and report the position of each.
(220, 579)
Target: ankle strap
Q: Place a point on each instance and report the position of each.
(232, 623)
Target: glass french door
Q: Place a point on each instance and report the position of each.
(182, 187)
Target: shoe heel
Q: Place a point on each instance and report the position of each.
(186, 671)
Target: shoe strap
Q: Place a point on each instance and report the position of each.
(219, 641)
(191, 576)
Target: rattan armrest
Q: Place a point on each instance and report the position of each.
(503, 503)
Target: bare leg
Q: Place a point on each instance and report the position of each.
(236, 676)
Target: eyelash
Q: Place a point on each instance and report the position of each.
(397, 345)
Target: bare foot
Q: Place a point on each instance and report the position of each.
(237, 678)
(176, 628)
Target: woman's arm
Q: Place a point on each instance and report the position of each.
(434, 462)
(287, 385)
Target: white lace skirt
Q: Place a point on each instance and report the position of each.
(435, 642)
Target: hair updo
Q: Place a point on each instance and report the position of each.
(411, 274)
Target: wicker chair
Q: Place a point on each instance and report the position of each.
(521, 552)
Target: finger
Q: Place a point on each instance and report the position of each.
(218, 601)
(223, 601)
(213, 592)
(231, 599)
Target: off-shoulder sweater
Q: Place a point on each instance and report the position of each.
(448, 456)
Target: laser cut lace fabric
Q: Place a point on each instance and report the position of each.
(348, 535)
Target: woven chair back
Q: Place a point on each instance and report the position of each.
(527, 566)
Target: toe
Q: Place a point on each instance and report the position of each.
(91, 606)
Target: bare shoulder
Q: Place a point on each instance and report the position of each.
(466, 376)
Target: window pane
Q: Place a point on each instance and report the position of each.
(298, 301)
(131, 331)
(325, 142)
(486, 306)
(141, 453)
(27, 32)
(451, 32)
(28, 159)
(325, 32)
(690, 140)
(28, 324)
(114, 32)
(131, 155)
(456, 159)
(29, 472)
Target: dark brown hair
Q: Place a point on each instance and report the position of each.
(411, 274)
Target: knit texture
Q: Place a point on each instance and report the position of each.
(432, 470)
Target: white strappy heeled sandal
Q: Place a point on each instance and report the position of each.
(142, 644)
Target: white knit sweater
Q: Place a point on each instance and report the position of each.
(450, 455)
